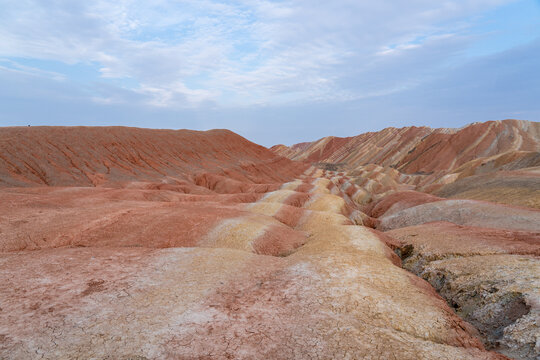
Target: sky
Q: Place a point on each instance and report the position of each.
(273, 71)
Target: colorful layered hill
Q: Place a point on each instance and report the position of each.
(461, 207)
(430, 159)
(421, 150)
(123, 243)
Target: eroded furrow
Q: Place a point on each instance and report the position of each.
(190, 276)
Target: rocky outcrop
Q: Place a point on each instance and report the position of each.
(490, 277)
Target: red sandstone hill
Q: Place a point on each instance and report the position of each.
(497, 161)
(420, 149)
(91, 156)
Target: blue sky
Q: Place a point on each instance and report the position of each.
(273, 71)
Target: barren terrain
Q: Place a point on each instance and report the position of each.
(413, 243)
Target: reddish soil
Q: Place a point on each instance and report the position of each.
(147, 244)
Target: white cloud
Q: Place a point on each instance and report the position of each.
(14, 67)
(240, 52)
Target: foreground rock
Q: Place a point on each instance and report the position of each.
(491, 277)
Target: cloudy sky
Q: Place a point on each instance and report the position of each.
(274, 71)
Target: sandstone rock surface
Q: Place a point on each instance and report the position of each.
(114, 156)
(121, 243)
(421, 149)
(430, 158)
(491, 277)
(461, 210)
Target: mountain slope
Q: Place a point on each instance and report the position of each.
(149, 244)
(413, 150)
(90, 156)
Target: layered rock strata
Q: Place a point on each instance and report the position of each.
(155, 244)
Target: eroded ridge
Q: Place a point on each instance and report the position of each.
(461, 208)
(273, 271)
(483, 258)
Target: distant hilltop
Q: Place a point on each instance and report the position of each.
(414, 149)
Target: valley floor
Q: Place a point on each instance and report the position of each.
(290, 271)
